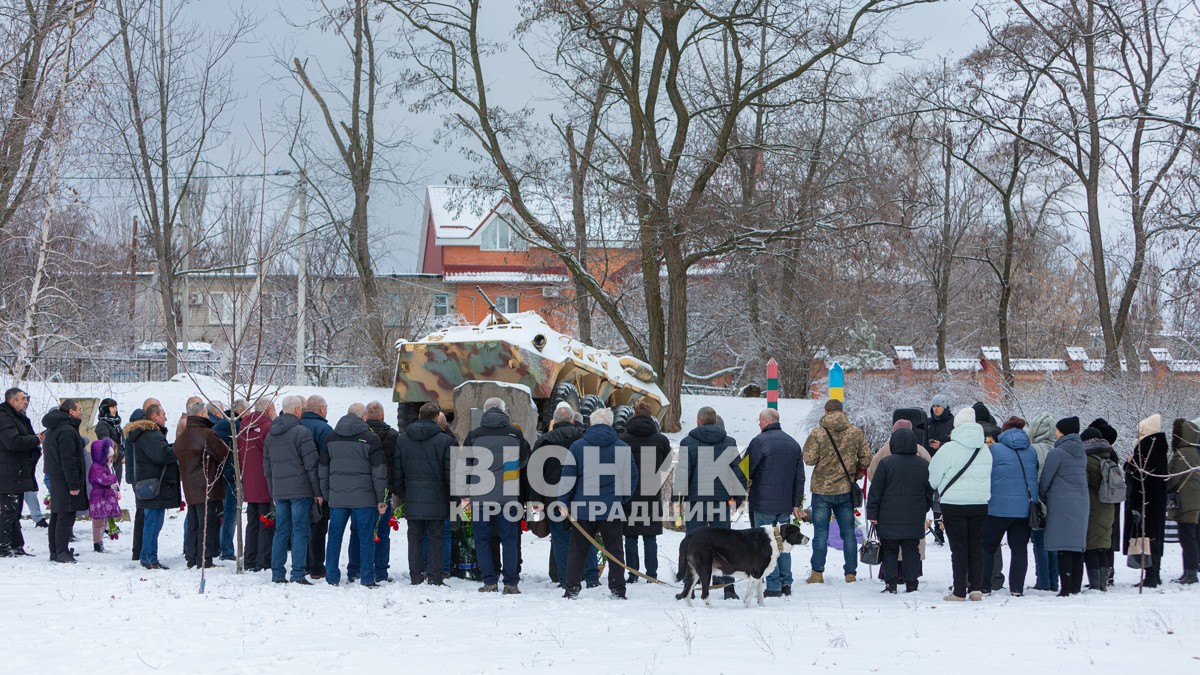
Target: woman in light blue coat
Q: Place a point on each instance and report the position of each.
(1064, 489)
(961, 472)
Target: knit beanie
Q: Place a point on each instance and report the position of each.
(940, 400)
(964, 416)
(901, 424)
(982, 414)
(1068, 425)
(1091, 433)
(1013, 422)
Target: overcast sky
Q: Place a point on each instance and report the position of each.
(263, 86)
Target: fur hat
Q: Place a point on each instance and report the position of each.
(1091, 433)
(940, 400)
(901, 424)
(1013, 422)
(833, 405)
(1068, 425)
(1149, 426)
(1110, 434)
(964, 416)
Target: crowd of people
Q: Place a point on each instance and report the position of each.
(959, 476)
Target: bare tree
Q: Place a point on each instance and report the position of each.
(669, 140)
(1103, 67)
(167, 111)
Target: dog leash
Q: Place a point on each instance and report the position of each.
(647, 577)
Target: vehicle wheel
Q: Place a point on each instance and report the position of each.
(407, 413)
(588, 405)
(564, 392)
(621, 415)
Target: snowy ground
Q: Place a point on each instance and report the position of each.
(124, 618)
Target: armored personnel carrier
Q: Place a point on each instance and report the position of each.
(521, 349)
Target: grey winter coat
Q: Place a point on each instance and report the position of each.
(353, 470)
(290, 460)
(1064, 491)
(1041, 435)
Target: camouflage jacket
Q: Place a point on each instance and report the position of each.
(828, 477)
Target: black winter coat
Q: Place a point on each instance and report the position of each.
(1151, 456)
(938, 429)
(387, 439)
(66, 468)
(110, 427)
(423, 471)
(20, 450)
(776, 471)
(646, 513)
(702, 446)
(900, 495)
(562, 436)
(506, 453)
(290, 460)
(153, 457)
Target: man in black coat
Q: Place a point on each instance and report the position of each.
(139, 518)
(66, 473)
(383, 547)
(711, 481)
(20, 449)
(422, 483)
(504, 452)
(899, 498)
(146, 441)
(557, 442)
(651, 450)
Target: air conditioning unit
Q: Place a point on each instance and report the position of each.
(551, 292)
(195, 299)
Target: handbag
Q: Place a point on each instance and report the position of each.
(856, 494)
(1174, 501)
(1139, 557)
(149, 488)
(937, 496)
(869, 552)
(1037, 510)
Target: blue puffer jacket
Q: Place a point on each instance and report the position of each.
(319, 426)
(1014, 475)
(602, 496)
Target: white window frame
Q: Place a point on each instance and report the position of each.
(442, 308)
(499, 235)
(503, 301)
(220, 309)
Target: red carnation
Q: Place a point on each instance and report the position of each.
(394, 524)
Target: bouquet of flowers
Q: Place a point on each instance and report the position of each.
(111, 529)
(267, 520)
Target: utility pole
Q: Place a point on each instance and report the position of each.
(133, 285)
(301, 279)
(185, 262)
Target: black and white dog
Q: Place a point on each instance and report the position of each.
(742, 554)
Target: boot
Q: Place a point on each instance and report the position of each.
(1097, 579)
(98, 547)
(890, 587)
(911, 586)
(1064, 584)
(815, 578)
(1189, 577)
(731, 593)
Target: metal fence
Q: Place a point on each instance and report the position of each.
(128, 369)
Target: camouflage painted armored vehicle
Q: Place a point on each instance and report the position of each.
(521, 348)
